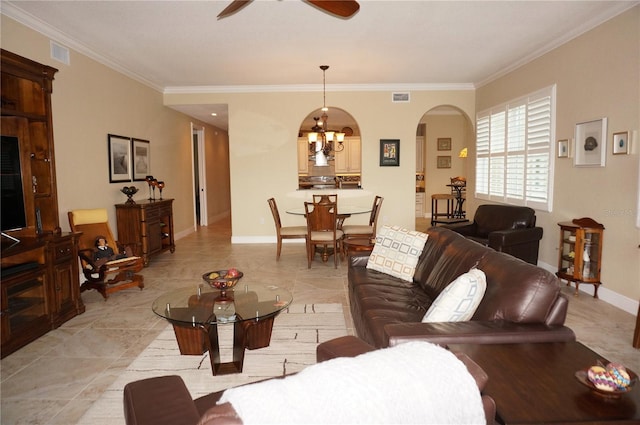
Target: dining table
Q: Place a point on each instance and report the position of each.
(344, 212)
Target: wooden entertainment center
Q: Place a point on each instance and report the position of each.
(40, 277)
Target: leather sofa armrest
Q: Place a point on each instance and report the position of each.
(222, 414)
(476, 332)
(344, 346)
(558, 313)
(500, 238)
(359, 260)
(159, 400)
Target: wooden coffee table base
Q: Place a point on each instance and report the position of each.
(535, 383)
(249, 334)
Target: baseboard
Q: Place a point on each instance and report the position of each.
(607, 295)
(262, 239)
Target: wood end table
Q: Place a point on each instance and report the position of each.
(535, 383)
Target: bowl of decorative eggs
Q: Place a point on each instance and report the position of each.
(610, 380)
(223, 279)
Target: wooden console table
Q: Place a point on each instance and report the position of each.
(147, 226)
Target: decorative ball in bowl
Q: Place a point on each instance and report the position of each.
(223, 279)
(611, 380)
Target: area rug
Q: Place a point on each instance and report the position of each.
(296, 333)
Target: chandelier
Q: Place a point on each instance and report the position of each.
(321, 138)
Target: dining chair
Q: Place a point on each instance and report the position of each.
(322, 229)
(331, 197)
(365, 230)
(284, 232)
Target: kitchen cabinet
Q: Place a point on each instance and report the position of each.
(420, 204)
(580, 252)
(303, 155)
(147, 226)
(419, 154)
(349, 160)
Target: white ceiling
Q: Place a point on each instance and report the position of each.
(279, 44)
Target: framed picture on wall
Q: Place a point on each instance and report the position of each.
(141, 159)
(119, 158)
(591, 143)
(389, 152)
(621, 143)
(563, 148)
(444, 144)
(444, 161)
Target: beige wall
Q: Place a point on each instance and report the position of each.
(263, 129)
(597, 75)
(594, 80)
(217, 174)
(91, 100)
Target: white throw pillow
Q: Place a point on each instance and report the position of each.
(459, 300)
(397, 251)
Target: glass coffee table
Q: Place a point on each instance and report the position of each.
(196, 312)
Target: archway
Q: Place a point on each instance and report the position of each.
(442, 135)
(329, 151)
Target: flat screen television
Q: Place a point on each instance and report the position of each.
(11, 190)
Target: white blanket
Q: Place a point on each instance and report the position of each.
(412, 383)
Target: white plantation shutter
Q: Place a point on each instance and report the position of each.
(516, 136)
(482, 155)
(496, 154)
(514, 151)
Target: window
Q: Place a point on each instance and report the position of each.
(514, 151)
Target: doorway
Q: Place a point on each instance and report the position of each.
(199, 177)
(443, 135)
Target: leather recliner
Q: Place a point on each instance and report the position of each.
(505, 228)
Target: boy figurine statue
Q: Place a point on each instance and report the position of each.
(103, 252)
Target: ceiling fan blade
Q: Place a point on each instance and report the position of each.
(343, 8)
(233, 8)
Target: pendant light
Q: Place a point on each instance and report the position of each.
(321, 137)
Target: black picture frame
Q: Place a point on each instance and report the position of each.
(119, 158)
(141, 157)
(389, 152)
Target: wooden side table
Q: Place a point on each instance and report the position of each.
(353, 245)
(534, 383)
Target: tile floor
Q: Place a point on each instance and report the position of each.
(55, 379)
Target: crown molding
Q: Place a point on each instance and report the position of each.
(586, 26)
(19, 15)
(317, 88)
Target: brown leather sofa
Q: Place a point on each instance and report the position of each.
(505, 228)
(165, 400)
(522, 302)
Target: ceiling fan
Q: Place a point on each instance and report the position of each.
(342, 8)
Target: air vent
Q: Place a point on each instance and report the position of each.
(60, 53)
(400, 97)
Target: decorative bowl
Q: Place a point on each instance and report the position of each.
(583, 377)
(129, 191)
(221, 282)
